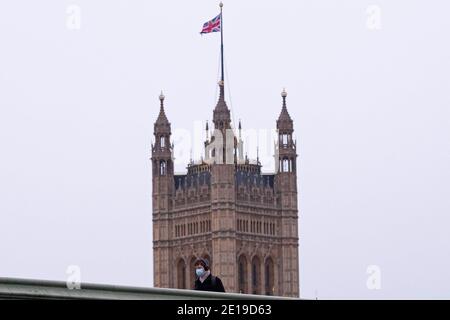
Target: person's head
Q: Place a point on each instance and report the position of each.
(201, 266)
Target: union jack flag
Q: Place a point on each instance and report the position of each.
(212, 26)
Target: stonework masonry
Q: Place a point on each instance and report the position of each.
(226, 210)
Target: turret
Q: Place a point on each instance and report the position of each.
(286, 192)
(286, 148)
(163, 185)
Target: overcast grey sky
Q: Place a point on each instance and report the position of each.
(369, 91)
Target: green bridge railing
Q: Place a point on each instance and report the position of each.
(11, 288)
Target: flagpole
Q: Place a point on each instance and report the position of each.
(221, 40)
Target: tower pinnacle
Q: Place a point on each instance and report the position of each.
(284, 121)
(162, 118)
(221, 114)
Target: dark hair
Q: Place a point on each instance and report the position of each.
(203, 262)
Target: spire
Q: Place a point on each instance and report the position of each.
(162, 124)
(221, 102)
(284, 120)
(162, 118)
(240, 130)
(207, 130)
(162, 149)
(257, 154)
(221, 115)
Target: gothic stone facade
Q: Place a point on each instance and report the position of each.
(242, 220)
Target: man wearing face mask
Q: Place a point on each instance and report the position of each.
(205, 280)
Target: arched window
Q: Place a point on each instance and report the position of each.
(285, 165)
(269, 277)
(163, 168)
(181, 274)
(256, 275)
(284, 139)
(163, 142)
(242, 274)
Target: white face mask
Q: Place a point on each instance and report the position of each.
(200, 271)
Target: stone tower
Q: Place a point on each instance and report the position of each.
(163, 189)
(286, 187)
(226, 210)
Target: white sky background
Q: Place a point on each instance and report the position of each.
(370, 107)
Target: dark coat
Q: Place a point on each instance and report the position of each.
(208, 285)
